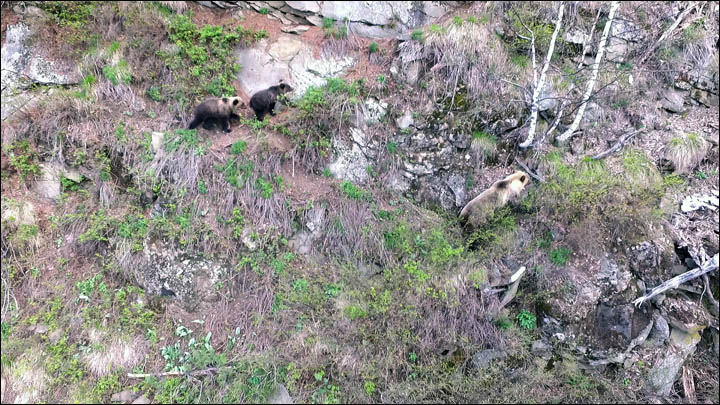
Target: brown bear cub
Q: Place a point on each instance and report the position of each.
(263, 101)
(500, 193)
(216, 109)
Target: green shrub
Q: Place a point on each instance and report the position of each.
(417, 35)
(352, 191)
(526, 319)
(373, 47)
(560, 256)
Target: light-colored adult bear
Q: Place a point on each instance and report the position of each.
(476, 211)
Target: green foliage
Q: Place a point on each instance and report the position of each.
(417, 35)
(373, 47)
(497, 226)
(238, 147)
(560, 256)
(63, 363)
(117, 73)
(521, 17)
(73, 16)
(369, 388)
(391, 147)
(101, 228)
(134, 228)
(640, 172)
(205, 59)
(414, 270)
(457, 20)
(24, 159)
(264, 11)
(526, 319)
(332, 30)
(353, 192)
(519, 60)
(354, 312)
(154, 93)
(187, 138)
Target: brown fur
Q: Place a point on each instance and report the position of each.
(502, 191)
(216, 109)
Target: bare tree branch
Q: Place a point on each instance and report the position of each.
(674, 282)
(619, 144)
(539, 84)
(667, 32)
(591, 84)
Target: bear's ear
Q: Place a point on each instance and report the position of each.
(522, 178)
(236, 101)
(282, 86)
(225, 100)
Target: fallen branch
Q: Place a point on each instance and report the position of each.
(667, 32)
(512, 290)
(618, 145)
(715, 305)
(674, 282)
(539, 84)
(529, 172)
(593, 78)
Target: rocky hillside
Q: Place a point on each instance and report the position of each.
(317, 256)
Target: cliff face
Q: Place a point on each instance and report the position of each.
(316, 256)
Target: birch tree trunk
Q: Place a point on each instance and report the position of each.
(541, 82)
(593, 78)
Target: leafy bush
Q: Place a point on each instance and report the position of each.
(526, 319)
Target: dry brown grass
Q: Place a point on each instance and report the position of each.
(686, 151)
(116, 355)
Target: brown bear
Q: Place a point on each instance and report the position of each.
(502, 191)
(216, 109)
(263, 101)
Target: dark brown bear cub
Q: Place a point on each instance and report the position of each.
(216, 109)
(263, 101)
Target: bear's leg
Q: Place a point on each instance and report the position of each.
(260, 114)
(225, 124)
(196, 122)
(272, 109)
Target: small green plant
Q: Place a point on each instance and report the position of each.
(264, 11)
(265, 187)
(154, 94)
(369, 388)
(526, 319)
(381, 79)
(560, 256)
(327, 22)
(391, 147)
(326, 172)
(701, 175)
(354, 312)
(373, 47)
(417, 35)
(24, 159)
(352, 191)
(238, 147)
(457, 20)
(117, 73)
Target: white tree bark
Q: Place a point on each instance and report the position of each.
(541, 82)
(586, 43)
(593, 78)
